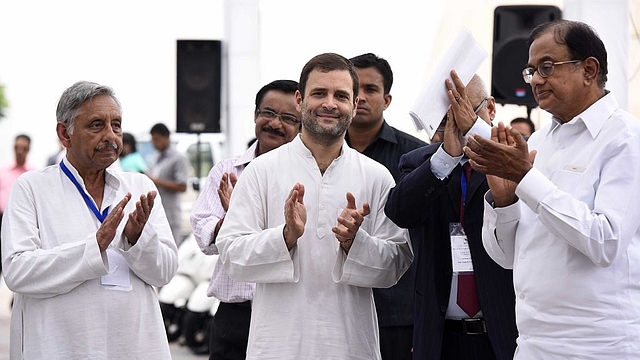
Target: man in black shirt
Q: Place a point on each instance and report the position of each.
(370, 134)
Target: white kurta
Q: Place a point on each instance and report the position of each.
(52, 262)
(312, 302)
(573, 239)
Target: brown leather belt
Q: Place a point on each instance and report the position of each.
(466, 326)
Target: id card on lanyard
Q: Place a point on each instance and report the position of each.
(118, 277)
(460, 253)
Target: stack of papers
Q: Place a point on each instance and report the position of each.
(465, 57)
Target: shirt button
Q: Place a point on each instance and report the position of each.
(522, 256)
(525, 337)
(521, 296)
(443, 308)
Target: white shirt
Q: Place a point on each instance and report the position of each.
(52, 262)
(313, 302)
(572, 239)
(206, 213)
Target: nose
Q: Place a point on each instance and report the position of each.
(276, 122)
(536, 79)
(329, 103)
(110, 133)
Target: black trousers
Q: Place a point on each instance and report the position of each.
(459, 346)
(396, 342)
(230, 331)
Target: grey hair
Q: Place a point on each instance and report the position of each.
(76, 95)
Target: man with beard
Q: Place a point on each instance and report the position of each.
(370, 134)
(277, 122)
(80, 256)
(294, 228)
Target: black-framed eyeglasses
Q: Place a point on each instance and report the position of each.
(545, 69)
(289, 119)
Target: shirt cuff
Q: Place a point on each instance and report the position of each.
(481, 128)
(442, 164)
(534, 187)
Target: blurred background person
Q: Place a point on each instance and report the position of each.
(525, 126)
(9, 172)
(130, 159)
(170, 171)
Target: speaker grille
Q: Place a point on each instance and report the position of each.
(198, 86)
(511, 28)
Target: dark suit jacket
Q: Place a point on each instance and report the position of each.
(426, 205)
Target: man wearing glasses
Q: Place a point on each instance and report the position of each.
(277, 122)
(562, 210)
(464, 300)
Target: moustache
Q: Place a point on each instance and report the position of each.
(272, 131)
(106, 146)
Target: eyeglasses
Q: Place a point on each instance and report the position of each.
(288, 119)
(479, 107)
(443, 123)
(545, 69)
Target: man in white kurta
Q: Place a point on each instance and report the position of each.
(72, 300)
(568, 222)
(314, 300)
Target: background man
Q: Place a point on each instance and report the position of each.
(169, 170)
(525, 126)
(316, 260)
(565, 217)
(10, 172)
(370, 134)
(459, 314)
(81, 258)
(277, 122)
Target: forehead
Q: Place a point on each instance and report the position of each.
(101, 105)
(336, 80)
(546, 48)
(277, 99)
(369, 75)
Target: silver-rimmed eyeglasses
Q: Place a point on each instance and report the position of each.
(545, 69)
(289, 119)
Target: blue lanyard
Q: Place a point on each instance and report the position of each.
(86, 197)
(463, 185)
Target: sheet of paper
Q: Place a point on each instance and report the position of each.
(465, 57)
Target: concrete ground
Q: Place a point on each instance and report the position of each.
(178, 352)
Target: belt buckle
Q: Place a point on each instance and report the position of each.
(473, 321)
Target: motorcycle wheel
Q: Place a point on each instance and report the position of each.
(195, 328)
(172, 317)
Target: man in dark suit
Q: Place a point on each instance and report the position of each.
(461, 311)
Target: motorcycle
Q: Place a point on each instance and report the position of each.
(194, 273)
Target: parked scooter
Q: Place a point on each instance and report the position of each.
(194, 271)
(197, 320)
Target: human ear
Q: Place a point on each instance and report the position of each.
(590, 66)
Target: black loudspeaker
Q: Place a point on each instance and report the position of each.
(511, 28)
(198, 86)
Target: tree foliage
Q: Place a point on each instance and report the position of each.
(3, 102)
